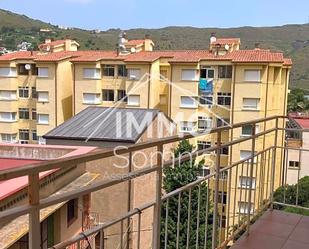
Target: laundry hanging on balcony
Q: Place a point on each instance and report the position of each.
(206, 85)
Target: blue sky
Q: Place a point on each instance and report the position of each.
(105, 14)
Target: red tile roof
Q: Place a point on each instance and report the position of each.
(175, 56)
(228, 41)
(135, 42)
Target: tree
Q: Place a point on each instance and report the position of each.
(297, 100)
(288, 195)
(174, 178)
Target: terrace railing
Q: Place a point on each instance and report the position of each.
(224, 203)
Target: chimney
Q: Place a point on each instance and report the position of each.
(147, 36)
(213, 38)
(257, 46)
(48, 40)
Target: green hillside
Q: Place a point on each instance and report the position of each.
(293, 40)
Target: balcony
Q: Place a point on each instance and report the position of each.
(211, 211)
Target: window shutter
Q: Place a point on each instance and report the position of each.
(43, 118)
(252, 75)
(91, 73)
(134, 74)
(134, 100)
(188, 74)
(43, 72)
(43, 96)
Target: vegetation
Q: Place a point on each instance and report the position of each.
(288, 194)
(297, 102)
(293, 40)
(176, 177)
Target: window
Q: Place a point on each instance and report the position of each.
(23, 92)
(224, 98)
(7, 95)
(43, 72)
(34, 93)
(202, 145)
(163, 74)
(23, 113)
(252, 75)
(245, 154)
(7, 116)
(8, 138)
(33, 114)
(244, 207)
(246, 130)
(24, 134)
(109, 70)
(188, 102)
(34, 135)
(207, 73)
(223, 175)
(245, 182)
(22, 69)
(72, 209)
(122, 71)
(108, 95)
(222, 197)
(91, 73)
(225, 72)
(8, 72)
(223, 122)
(224, 150)
(163, 99)
(204, 171)
(294, 164)
(134, 100)
(41, 140)
(122, 95)
(186, 126)
(206, 99)
(91, 98)
(34, 70)
(251, 103)
(134, 74)
(43, 97)
(189, 74)
(43, 118)
(204, 123)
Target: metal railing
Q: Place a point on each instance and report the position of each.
(213, 211)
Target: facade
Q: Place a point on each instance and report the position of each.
(294, 165)
(197, 89)
(58, 222)
(108, 128)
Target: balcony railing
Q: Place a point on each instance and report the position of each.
(224, 207)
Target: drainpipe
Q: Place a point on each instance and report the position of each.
(170, 93)
(149, 71)
(74, 90)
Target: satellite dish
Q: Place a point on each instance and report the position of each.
(227, 47)
(133, 50)
(28, 66)
(47, 48)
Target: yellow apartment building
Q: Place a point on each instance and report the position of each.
(197, 89)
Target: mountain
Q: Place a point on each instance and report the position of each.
(292, 40)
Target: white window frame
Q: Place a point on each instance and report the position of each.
(134, 103)
(11, 95)
(243, 207)
(12, 116)
(43, 72)
(8, 138)
(96, 99)
(208, 121)
(39, 118)
(248, 152)
(245, 182)
(92, 73)
(41, 140)
(194, 103)
(251, 107)
(187, 126)
(8, 72)
(251, 78)
(134, 73)
(41, 99)
(185, 75)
